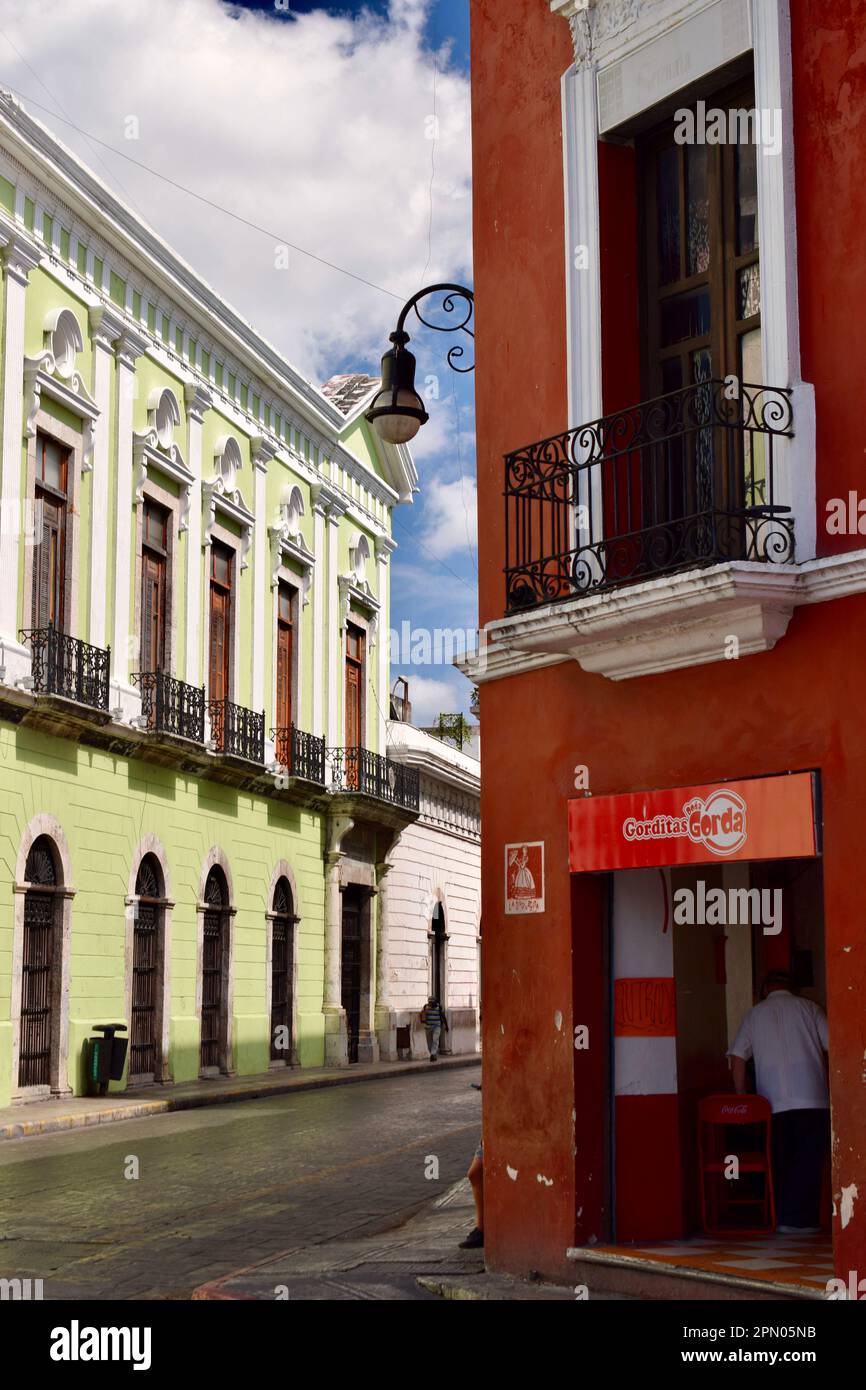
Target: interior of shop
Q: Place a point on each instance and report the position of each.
(690, 948)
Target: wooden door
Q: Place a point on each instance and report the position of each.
(285, 644)
(700, 314)
(219, 687)
(351, 969)
(354, 685)
(154, 570)
(49, 552)
(152, 612)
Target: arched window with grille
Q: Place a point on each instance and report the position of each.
(215, 955)
(40, 982)
(148, 964)
(283, 920)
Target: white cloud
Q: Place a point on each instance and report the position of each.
(450, 516)
(431, 697)
(315, 129)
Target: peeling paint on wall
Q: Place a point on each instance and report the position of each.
(849, 1194)
(512, 1173)
(557, 1020)
(548, 1182)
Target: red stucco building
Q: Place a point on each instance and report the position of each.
(672, 588)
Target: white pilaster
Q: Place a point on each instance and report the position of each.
(105, 328)
(262, 452)
(130, 346)
(319, 631)
(384, 547)
(19, 255)
(198, 400)
(794, 459)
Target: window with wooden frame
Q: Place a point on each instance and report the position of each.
(285, 655)
(354, 686)
(51, 498)
(700, 292)
(220, 621)
(154, 586)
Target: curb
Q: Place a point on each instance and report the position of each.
(256, 1090)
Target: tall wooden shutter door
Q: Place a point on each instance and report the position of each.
(218, 635)
(47, 605)
(353, 705)
(284, 675)
(153, 613)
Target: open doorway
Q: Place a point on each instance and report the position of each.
(691, 946)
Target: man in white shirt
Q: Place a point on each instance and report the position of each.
(787, 1037)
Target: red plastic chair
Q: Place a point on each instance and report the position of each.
(719, 1194)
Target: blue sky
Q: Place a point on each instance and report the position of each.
(317, 126)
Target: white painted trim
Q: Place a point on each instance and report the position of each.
(130, 346)
(666, 624)
(319, 629)
(19, 254)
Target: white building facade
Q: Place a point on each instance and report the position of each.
(433, 943)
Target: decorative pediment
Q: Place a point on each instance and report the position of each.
(216, 497)
(355, 587)
(147, 453)
(287, 541)
(53, 373)
(223, 494)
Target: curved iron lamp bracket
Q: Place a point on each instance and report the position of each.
(458, 300)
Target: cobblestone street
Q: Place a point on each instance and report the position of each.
(224, 1188)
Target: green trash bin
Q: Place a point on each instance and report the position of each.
(104, 1057)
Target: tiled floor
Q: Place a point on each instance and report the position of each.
(779, 1259)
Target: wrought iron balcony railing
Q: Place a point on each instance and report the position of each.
(171, 706)
(359, 770)
(301, 754)
(237, 731)
(687, 479)
(66, 666)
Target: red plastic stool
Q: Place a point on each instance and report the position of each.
(719, 1199)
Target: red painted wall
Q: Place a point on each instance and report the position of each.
(797, 707)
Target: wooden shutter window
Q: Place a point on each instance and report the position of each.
(285, 642)
(220, 621)
(49, 558)
(154, 586)
(354, 685)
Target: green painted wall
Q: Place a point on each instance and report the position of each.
(105, 805)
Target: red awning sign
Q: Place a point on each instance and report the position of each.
(760, 818)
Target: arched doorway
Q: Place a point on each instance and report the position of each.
(283, 921)
(214, 978)
(438, 942)
(148, 965)
(39, 1021)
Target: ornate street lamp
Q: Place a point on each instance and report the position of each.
(397, 411)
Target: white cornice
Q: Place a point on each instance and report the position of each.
(665, 624)
(435, 759)
(64, 177)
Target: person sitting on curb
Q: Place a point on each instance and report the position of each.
(434, 1020)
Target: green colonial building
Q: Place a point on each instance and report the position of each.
(196, 805)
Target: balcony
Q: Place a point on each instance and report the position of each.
(67, 667)
(237, 732)
(685, 481)
(371, 774)
(170, 706)
(302, 755)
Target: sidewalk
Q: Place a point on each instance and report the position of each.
(76, 1112)
(417, 1261)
